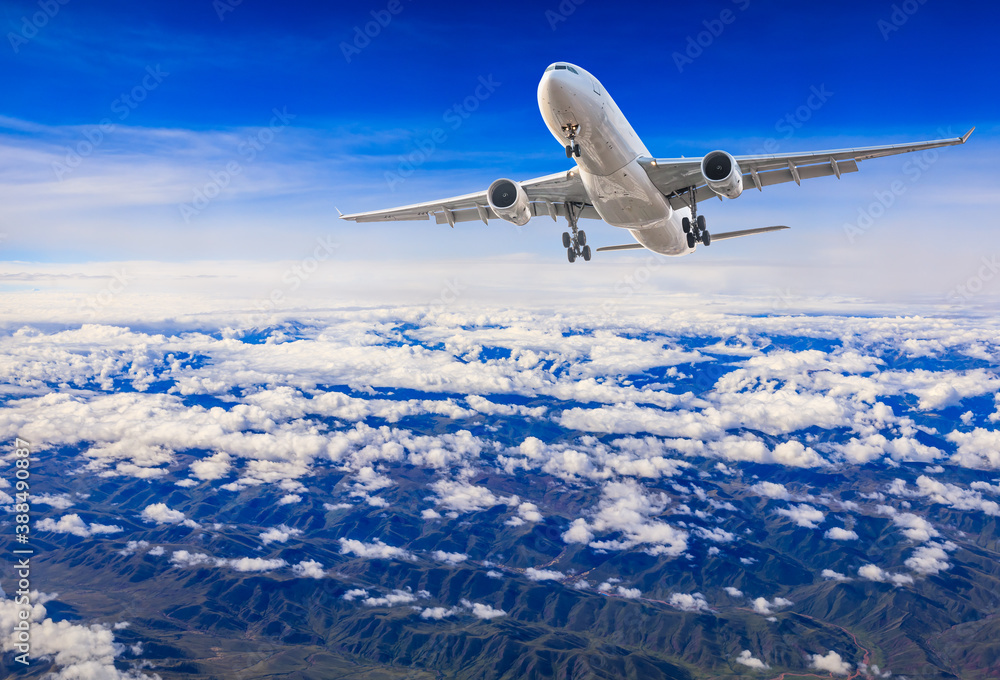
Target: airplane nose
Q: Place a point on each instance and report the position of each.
(552, 88)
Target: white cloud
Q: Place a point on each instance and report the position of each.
(464, 497)
(309, 569)
(950, 495)
(544, 574)
(72, 524)
(213, 467)
(161, 514)
(449, 557)
(689, 602)
(578, 532)
(803, 515)
(765, 608)
(483, 611)
(733, 592)
(279, 534)
(438, 613)
(186, 559)
(914, 527)
(251, 564)
(771, 490)
(59, 501)
(290, 499)
(625, 507)
(831, 575)
(394, 598)
(355, 593)
(529, 512)
(831, 662)
(78, 651)
(747, 659)
(841, 534)
(931, 558)
(133, 547)
(374, 550)
(183, 558)
(872, 572)
(979, 449)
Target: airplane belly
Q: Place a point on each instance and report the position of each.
(665, 238)
(627, 198)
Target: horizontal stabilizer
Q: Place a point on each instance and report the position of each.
(745, 232)
(627, 246)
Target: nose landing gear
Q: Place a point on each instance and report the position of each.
(575, 245)
(572, 149)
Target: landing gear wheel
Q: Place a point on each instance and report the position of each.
(586, 253)
(690, 240)
(706, 238)
(567, 241)
(701, 223)
(581, 237)
(569, 151)
(576, 149)
(686, 225)
(571, 254)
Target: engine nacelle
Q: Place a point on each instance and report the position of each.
(509, 202)
(722, 174)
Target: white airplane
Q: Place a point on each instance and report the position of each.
(617, 180)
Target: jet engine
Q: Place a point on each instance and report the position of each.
(722, 174)
(509, 202)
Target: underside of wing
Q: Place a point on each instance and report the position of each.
(715, 237)
(681, 179)
(547, 195)
(627, 246)
(744, 232)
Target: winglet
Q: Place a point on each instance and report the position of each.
(338, 212)
(968, 134)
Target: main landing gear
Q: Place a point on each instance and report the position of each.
(575, 245)
(572, 149)
(695, 227)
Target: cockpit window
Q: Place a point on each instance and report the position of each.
(550, 68)
(560, 67)
(572, 70)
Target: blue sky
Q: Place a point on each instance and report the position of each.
(212, 75)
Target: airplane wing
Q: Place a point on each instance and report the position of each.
(548, 196)
(672, 176)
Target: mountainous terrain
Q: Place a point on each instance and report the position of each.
(396, 493)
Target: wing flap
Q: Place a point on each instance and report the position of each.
(555, 189)
(538, 209)
(674, 175)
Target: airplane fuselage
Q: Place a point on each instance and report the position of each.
(572, 101)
